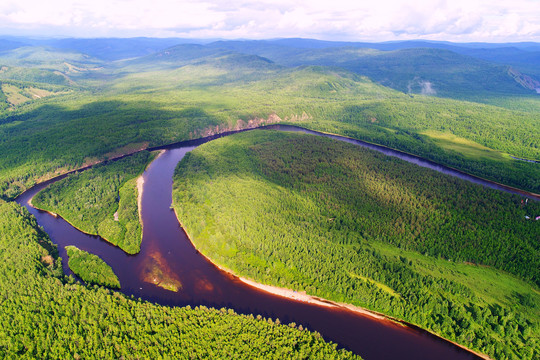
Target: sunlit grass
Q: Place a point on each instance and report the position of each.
(465, 147)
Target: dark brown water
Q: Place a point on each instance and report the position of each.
(166, 247)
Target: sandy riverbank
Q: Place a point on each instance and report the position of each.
(140, 188)
(294, 295)
(304, 297)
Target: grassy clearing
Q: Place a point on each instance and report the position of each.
(13, 94)
(381, 286)
(465, 147)
(38, 93)
(490, 285)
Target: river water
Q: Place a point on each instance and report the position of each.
(166, 247)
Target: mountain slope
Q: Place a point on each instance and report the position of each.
(419, 70)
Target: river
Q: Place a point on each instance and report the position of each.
(165, 246)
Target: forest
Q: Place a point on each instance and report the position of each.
(47, 315)
(91, 268)
(158, 100)
(351, 225)
(101, 201)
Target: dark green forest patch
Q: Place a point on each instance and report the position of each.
(90, 268)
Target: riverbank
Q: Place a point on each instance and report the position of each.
(306, 298)
(140, 188)
(302, 296)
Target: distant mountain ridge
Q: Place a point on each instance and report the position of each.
(109, 49)
(422, 70)
(416, 67)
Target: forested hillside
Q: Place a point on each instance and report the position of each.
(153, 103)
(421, 69)
(351, 225)
(45, 315)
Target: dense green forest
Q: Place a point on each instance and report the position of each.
(192, 92)
(47, 315)
(352, 225)
(452, 257)
(91, 268)
(101, 201)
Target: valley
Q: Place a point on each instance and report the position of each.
(322, 218)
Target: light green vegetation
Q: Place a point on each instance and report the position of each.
(91, 268)
(351, 225)
(489, 284)
(381, 286)
(33, 75)
(467, 148)
(45, 315)
(13, 94)
(529, 104)
(16, 94)
(92, 200)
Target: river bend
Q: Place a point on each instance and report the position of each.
(166, 246)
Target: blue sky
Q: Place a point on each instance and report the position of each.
(350, 20)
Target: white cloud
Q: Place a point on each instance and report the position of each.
(458, 20)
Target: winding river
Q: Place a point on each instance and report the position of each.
(165, 246)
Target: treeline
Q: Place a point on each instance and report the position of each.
(39, 141)
(3, 100)
(101, 201)
(28, 74)
(333, 219)
(46, 315)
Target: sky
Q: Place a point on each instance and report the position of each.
(344, 20)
